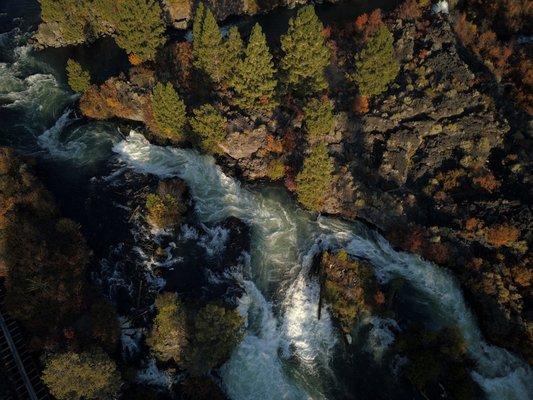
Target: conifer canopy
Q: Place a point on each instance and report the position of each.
(79, 79)
(314, 180)
(305, 54)
(209, 127)
(140, 28)
(375, 65)
(209, 51)
(318, 117)
(254, 81)
(169, 110)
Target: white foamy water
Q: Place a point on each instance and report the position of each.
(501, 374)
(284, 327)
(84, 145)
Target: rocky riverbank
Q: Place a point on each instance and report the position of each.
(434, 164)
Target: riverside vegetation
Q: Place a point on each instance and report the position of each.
(380, 119)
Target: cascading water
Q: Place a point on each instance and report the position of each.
(283, 240)
(287, 352)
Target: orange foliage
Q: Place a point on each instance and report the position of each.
(522, 275)
(379, 297)
(93, 105)
(409, 9)
(134, 59)
(274, 145)
(415, 240)
(361, 105)
(472, 224)
(368, 24)
(485, 45)
(438, 253)
(502, 235)
(487, 182)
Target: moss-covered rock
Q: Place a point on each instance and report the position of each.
(166, 207)
(349, 288)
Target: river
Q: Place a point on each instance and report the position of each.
(287, 352)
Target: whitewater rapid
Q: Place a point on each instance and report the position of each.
(283, 243)
(287, 350)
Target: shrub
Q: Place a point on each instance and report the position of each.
(318, 117)
(209, 128)
(349, 287)
(217, 331)
(502, 235)
(169, 110)
(276, 170)
(88, 375)
(314, 180)
(168, 338)
(164, 211)
(305, 54)
(79, 79)
(375, 64)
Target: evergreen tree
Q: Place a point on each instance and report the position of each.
(78, 79)
(69, 17)
(306, 55)
(208, 48)
(254, 82)
(169, 110)
(140, 28)
(234, 50)
(168, 338)
(209, 127)
(314, 180)
(318, 117)
(88, 375)
(375, 65)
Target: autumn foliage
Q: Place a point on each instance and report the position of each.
(502, 235)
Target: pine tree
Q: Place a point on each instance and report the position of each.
(254, 81)
(306, 55)
(79, 79)
(318, 117)
(314, 180)
(375, 65)
(234, 50)
(140, 28)
(69, 18)
(169, 110)
(209, 127)
(208, 48)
